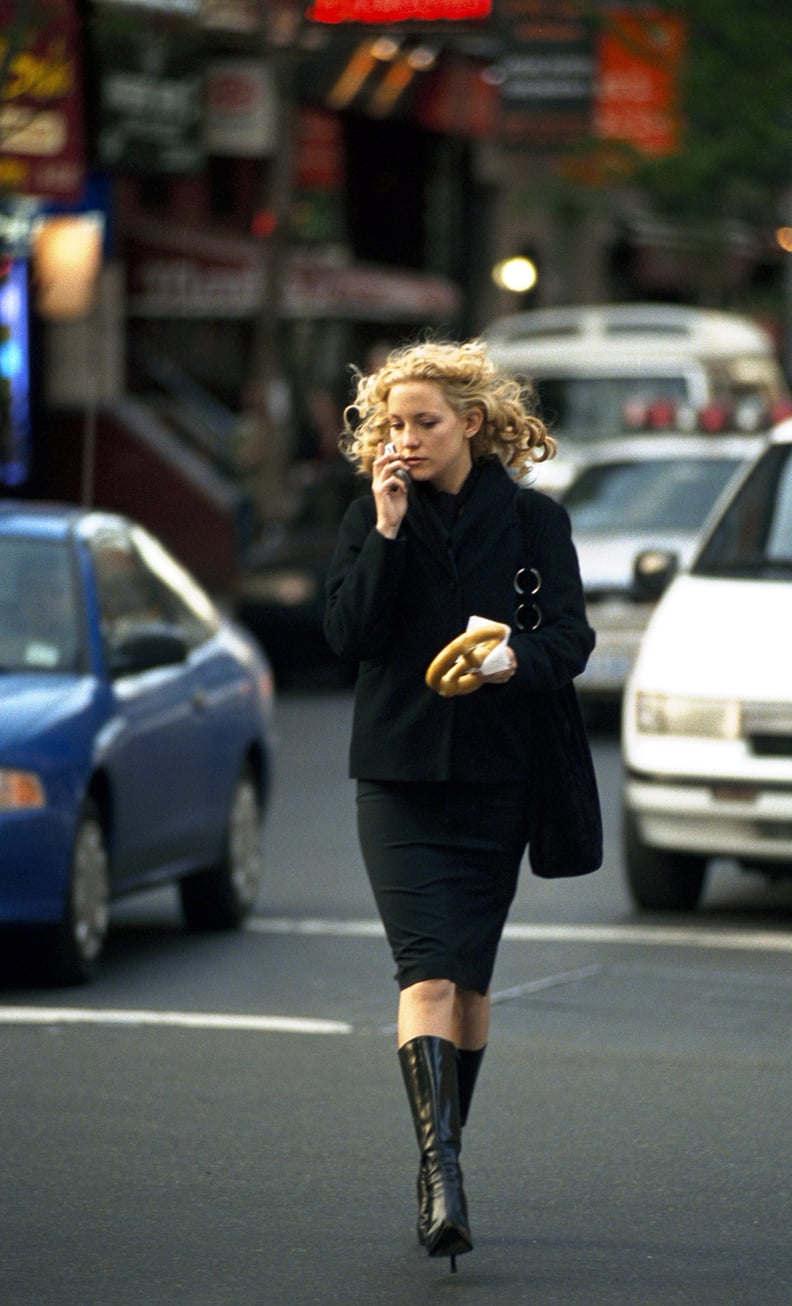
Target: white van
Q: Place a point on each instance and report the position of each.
(592, 364)
(707, 711)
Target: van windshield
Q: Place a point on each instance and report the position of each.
(590, 407)
(754, 536)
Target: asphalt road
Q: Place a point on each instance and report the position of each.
(220, 1120)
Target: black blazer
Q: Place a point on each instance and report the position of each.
(393, 604)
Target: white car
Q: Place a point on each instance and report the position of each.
(634, 494)
(707, 712)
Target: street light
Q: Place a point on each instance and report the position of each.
(66, 252)
(518, 274)
(67, 256)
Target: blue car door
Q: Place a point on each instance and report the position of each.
(159, 763)
(156, 746)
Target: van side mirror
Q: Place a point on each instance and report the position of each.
(653, 571)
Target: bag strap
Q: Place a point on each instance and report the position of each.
(528, 579)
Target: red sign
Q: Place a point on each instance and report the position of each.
(639, 62)
(42, 145)
(396, 11)
(455, 99)
(319, 151)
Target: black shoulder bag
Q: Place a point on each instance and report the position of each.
(566, 820)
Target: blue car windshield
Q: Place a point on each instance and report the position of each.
(40, 626)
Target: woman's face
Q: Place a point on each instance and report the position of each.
(430, 437)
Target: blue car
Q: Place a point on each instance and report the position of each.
(135, 734)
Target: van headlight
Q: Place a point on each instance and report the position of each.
(707, 718)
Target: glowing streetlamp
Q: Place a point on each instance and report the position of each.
(67, 257)
(66, 251)
(518, 274)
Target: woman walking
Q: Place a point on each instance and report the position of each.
(444, 774)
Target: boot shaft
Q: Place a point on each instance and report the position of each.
(468, 1066)
(429, 1070)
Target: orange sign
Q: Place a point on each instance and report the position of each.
(639, 61)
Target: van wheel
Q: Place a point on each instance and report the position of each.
(660, 880)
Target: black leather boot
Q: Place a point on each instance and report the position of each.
(468, 1065)
(429, 1069)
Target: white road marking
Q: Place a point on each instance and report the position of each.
(659, 936)
(531, 986)
(547, 982)
(637, 935)
(177, 1019)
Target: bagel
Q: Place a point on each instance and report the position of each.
(451, 673)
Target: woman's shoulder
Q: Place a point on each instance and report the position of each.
(539, 506)
(362, 511)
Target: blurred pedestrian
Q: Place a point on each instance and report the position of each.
(444, 778)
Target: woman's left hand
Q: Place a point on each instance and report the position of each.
(499, 677)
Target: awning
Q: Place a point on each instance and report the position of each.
(175, 272)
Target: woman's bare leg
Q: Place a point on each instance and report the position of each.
(437, 1007)
(470, 1028)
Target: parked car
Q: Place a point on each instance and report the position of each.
(592, 363)
(135, 733)
(707, 713)
(648, 492)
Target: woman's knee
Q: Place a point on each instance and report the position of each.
(430, 992)
(468, 1001)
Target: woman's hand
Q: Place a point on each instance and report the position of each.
(500, 677)
(456, 669)
(390, 492)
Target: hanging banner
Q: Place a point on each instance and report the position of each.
(547, 77)
(396, 11)
(639, 58)
(150, 94)
(42, 138)
(319, 151)
(240, 108)
(179, 272)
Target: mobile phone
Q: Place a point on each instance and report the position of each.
(401, 472)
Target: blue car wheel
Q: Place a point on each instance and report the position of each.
(221, 898)
(80, 935)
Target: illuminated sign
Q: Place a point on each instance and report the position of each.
(396, 11)
(14, 373)
(42, 146)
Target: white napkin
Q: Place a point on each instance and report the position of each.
(498, 659)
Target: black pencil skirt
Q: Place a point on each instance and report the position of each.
(443, 861)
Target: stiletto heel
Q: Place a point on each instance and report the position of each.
(453, 1264)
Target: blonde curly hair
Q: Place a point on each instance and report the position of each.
(511, 428)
